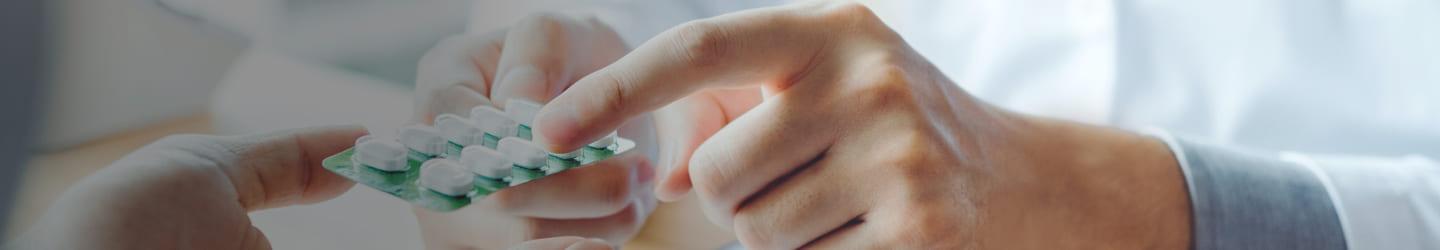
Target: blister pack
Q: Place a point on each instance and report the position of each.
(463, 159)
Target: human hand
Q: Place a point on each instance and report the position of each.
(534, 60)
(193, 192)
(859, 142)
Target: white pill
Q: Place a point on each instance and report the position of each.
(493, 121)
(446, 177)
(382, 154)
(604, 142)
(522, 152)
(486, 162)
(523, 111)
(424, 139)
(459, 130)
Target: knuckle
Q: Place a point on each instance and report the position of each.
(703, 184)
(884, 87)
(884, 65)
(881, 79)
(700, 43)
(860, 19)
(851, 11)
(909, 162)
(707, 173)
(616, 86)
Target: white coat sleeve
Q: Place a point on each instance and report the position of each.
(1383, 202)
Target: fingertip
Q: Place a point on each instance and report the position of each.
(558, 129)
(674, 185)
(284, 168)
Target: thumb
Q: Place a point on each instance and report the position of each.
(283, 168)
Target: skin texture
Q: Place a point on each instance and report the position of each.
(535, 60)
(815, 125)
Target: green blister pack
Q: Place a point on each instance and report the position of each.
(462, 160)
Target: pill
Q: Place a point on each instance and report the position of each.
(445, 176)
(522, 153)
(384, 155)
(486, 162)
(423, 139)
(459, 130)
(493, 121)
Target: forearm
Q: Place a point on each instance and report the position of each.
(1106, 188)
(1175, 193)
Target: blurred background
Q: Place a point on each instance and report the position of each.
(124, 73)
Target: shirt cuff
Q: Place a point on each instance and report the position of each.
(1241, 200)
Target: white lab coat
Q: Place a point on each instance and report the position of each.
(1349, 88)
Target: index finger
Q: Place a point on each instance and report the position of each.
(763, 46)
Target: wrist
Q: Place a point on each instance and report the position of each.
(1124, 188)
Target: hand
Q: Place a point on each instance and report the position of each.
(534, 60)
(859, 142)
(193, 192)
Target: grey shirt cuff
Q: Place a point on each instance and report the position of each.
(1241, 200)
